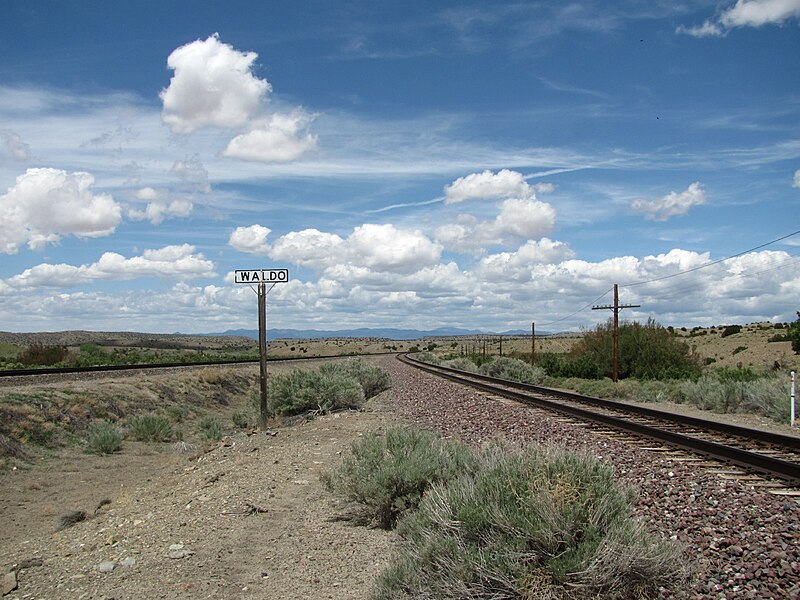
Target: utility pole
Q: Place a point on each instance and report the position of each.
(262, 277)
(262, 353)
(501, 346)
(616, 307)
(533, 343)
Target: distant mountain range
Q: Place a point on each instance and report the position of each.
(387, 333)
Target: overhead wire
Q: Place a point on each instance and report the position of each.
(709, 264)
(697, 268)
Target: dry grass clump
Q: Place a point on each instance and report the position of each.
(151, 428)
(104, 438)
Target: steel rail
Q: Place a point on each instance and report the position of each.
(776, 467)
(202, 363)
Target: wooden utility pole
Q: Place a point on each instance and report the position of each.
(616, 307)
(262, 353)
(533, 343)
(501, 345)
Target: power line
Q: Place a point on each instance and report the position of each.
(795, 258)
(708, 264)
(592, 303)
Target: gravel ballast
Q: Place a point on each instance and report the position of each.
(741, 540)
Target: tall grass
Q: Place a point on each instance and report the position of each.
(104, 438)
(151, 428)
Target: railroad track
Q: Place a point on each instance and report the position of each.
(754, 451)
(169, 365)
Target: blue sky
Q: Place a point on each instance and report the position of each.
(481, 165)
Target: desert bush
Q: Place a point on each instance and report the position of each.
(323, 391)
(545, 523)
(723, 392)
(104, 438)
(778, 337)
(513, 369)
(387, 475)
(429, 358)
(151, 428)
(739, 349)
(646, 351)
(39, 354)
(240, 419)
(373, 380)
(768, 396)
(793, 333)
(731, 330)
(210, 428)
(462, 364)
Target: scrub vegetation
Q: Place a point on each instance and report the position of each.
(334, 386)
(656, 365)
(543, 523)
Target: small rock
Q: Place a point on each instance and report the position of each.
(9, 582)
(179, 554)
(176, 547)
(106, 566)
(128, 561)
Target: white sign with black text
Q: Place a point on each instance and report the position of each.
(261, 276)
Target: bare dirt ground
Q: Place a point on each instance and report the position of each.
(247, 519)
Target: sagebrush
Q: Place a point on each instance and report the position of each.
(385, 476)
(334, 386)
(545, 523)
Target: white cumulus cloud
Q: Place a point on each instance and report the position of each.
(369, 248)
(309, 248)
(252, 239)
(171, 262)
(46, 203)
(488, 185)
(746, 13)
(797, 179)
(672, 205)
(518, 218)
(213, 85)
(281, 138)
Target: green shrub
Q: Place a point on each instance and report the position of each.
(778, 337)
(739, 349)
(240, 419)
(387, 475)
(373, 380)
(104, 438)
(429, 358)
(210, 428)
(462, 364)
(39, 354)
(793, 333)
(513, 369)
(542, 524)
(323, 391)
(151, 428)
(731, 330)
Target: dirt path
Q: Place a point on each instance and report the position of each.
(178, 527)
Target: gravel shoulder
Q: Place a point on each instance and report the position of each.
(179, 526)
